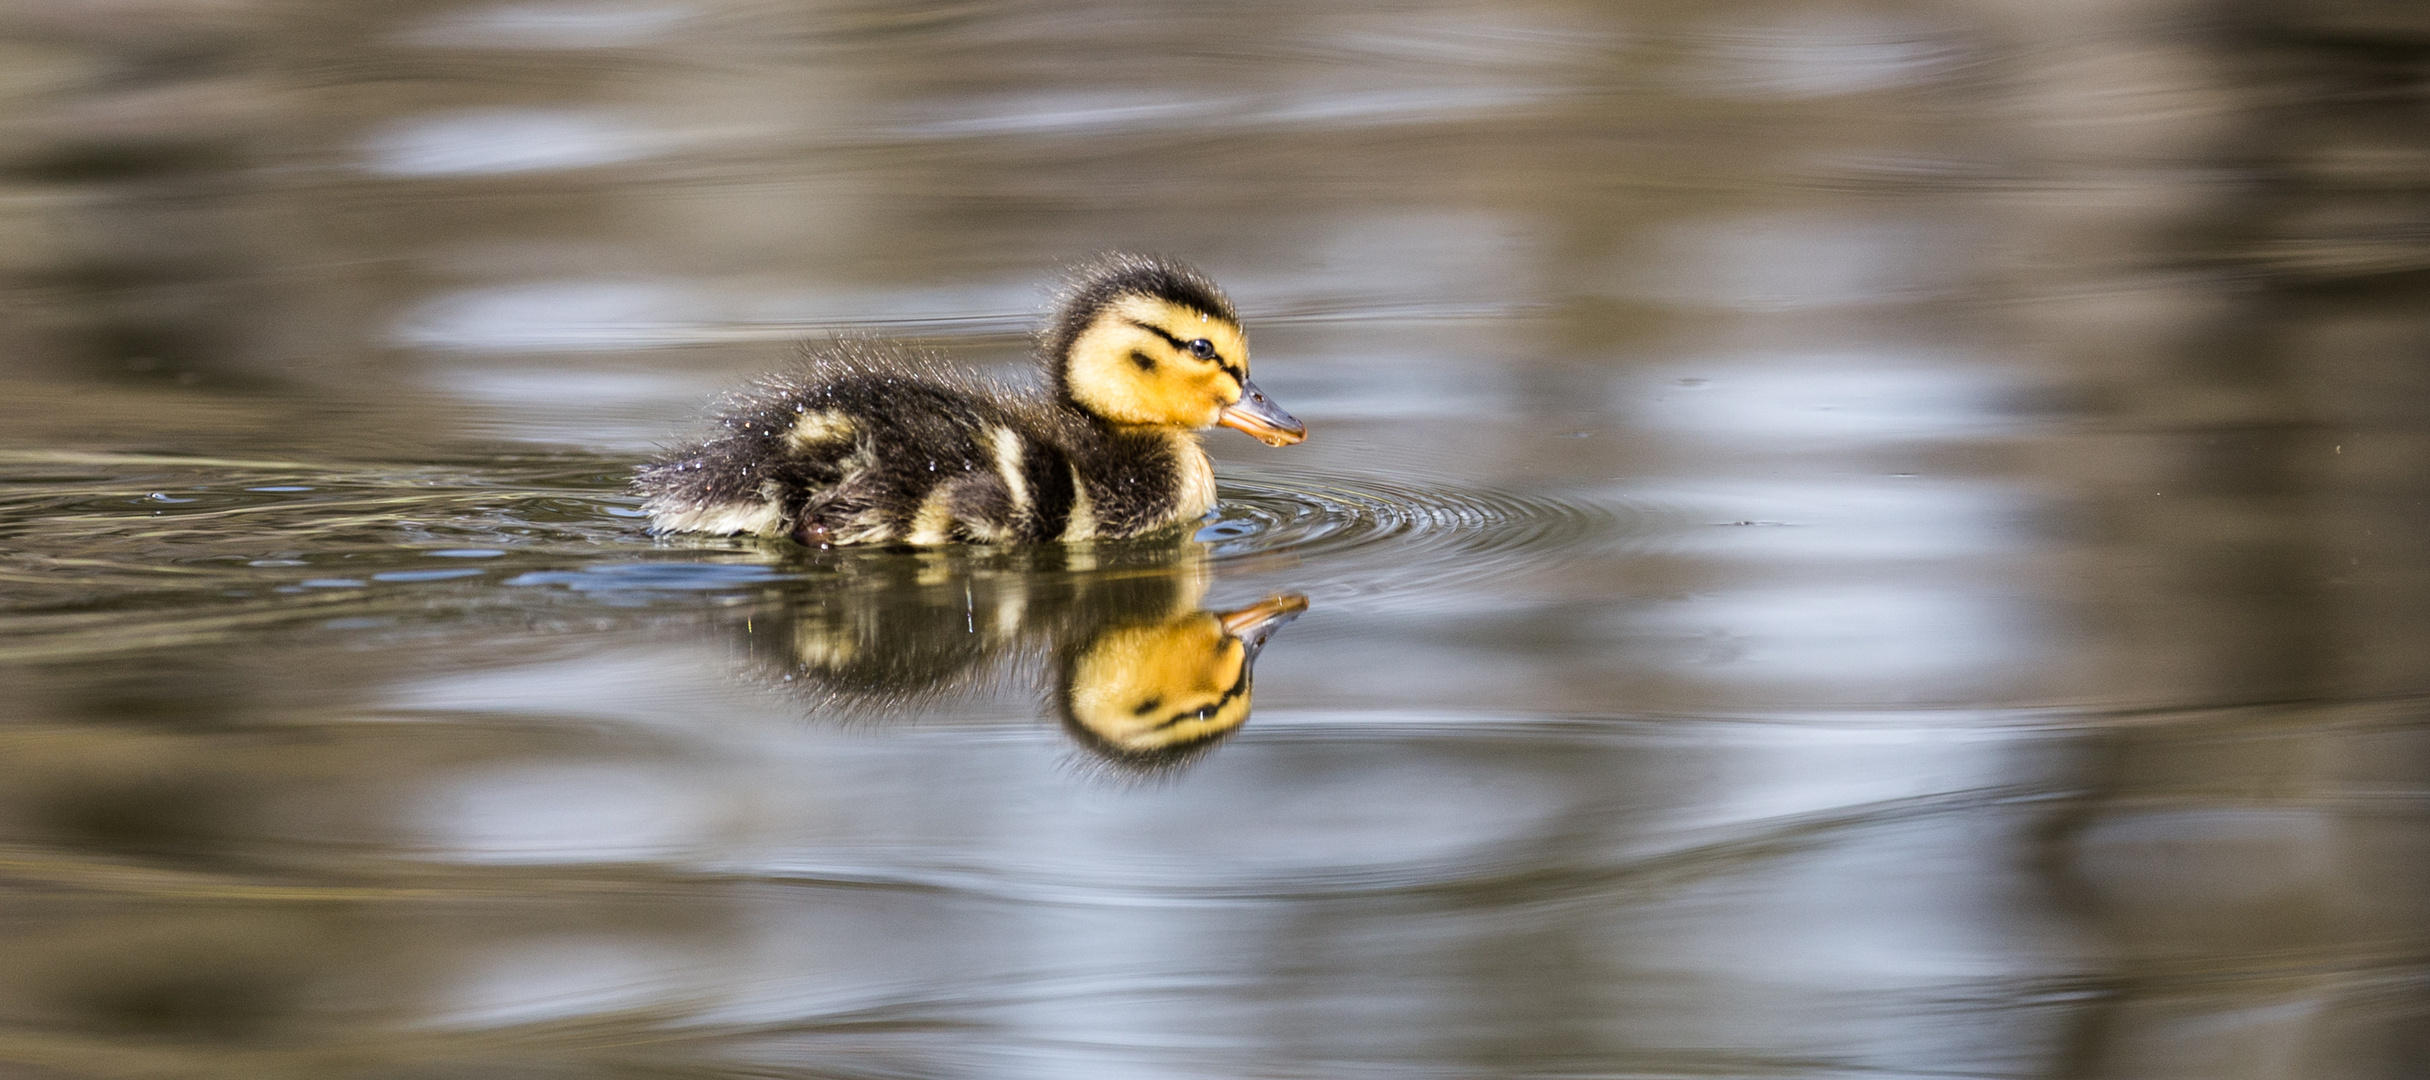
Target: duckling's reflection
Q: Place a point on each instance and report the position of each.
(1143, 677)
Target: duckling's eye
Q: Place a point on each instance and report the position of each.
(1202, 348)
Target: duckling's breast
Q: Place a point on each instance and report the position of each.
(1137, 482)
(1194, 491)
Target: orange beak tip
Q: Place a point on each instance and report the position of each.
(1264, 432)
(1272, 610)
(1262, 419)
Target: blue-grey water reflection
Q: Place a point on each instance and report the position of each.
(1837, 539)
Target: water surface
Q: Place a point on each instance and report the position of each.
(1838, 540)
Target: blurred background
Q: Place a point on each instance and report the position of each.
(1861, 538)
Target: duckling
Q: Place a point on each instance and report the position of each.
(871, 444)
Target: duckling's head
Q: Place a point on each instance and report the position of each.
(1141, 341)
(1159, 693)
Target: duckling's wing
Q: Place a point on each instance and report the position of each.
(775, 445)
(860, 441)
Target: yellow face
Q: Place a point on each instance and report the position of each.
(1141, 689)
(1150, 361)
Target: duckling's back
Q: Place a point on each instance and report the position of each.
(865, 446)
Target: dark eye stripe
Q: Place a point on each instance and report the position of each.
(1178, 344)
(1239, 373)
(1239, 686)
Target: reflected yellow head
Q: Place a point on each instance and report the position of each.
(1148, 691)
(1145, 689)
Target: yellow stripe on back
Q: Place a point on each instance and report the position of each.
(933, 523)
(1007, 446)
(819, 428)
(1081, 523)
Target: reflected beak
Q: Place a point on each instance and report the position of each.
(1258, 415)
(1257, 622)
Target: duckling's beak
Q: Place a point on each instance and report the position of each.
(1258, 415)
(1257, 622)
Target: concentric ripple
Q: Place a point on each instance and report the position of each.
(1408, 531)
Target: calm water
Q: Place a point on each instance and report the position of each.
(1840, 539)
